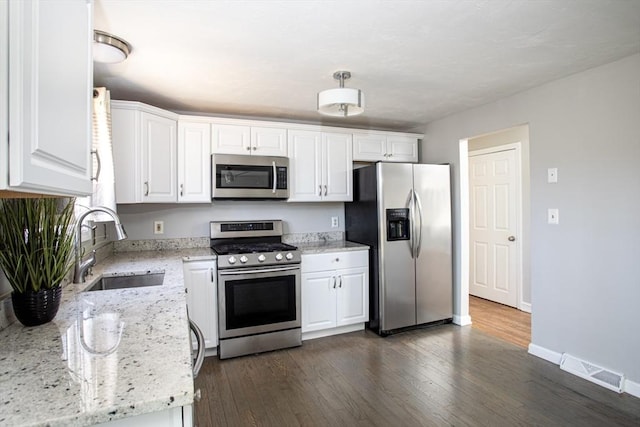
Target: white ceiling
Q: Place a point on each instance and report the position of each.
(416, 61)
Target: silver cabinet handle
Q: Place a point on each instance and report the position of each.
(319, 190)
(325, 190)
(255, 148)
(512, 238)
(248, 148)
(146, 188)
(181, 190)
(95, 153)
(340, 285)
(334, 282)
(212, 278)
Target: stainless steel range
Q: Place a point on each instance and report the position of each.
(258, 287)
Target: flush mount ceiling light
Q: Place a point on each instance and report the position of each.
(342, 101)
(109, 48)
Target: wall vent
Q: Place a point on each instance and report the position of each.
(589, 371)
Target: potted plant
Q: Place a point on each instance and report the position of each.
(36, 253)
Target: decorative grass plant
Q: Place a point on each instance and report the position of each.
(36, 242)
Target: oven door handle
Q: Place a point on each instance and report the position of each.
(266, 270)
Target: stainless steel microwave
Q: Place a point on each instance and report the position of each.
(235, 176)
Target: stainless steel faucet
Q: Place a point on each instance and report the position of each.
(81, 267)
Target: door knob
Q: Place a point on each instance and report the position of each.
(512, 238)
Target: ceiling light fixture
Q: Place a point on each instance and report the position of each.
(109, 48)
(341, 102)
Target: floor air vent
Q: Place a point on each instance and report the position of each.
(601, 376)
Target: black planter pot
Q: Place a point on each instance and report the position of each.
(36, 308)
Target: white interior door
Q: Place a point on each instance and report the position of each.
(494, 210)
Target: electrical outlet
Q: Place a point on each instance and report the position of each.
(158, 227)
(553, 216)
(334, 222)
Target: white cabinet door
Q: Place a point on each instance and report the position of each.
(318, 301)
(402, 149)
(333, 297)
(194, 162)
(127, 153)
(230, 139)
(50, 88)
(269, 141)
(320, 166)
(159, 150)
(353, 296)
(369, 148)
(337, 161)
(305, 166)
(385, 147)
(201, 284)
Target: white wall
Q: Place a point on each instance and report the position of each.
(192, 220)
(585, 272)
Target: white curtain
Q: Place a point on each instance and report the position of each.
(103, 178)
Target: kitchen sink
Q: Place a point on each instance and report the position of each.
(123, 282)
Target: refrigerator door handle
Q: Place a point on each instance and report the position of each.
(419, 234)
(411, 205)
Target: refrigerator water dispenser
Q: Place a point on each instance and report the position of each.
(398, 224)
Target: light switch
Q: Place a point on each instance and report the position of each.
(553, 216)
(552, 175)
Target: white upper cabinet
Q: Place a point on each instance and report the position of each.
(159, 155)
(320, 166)
(194, 162)
(374, 147)
(46, 70)
(144, 153)
(238, 139)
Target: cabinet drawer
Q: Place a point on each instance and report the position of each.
(334, 260)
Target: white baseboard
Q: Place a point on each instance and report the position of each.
(632, 388)
(546, 354)
(525, 306)
(333, 331)
(461, 320)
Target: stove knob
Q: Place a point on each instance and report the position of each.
(289, 256)
(261, 258)
(279, 257)
(232, 260)
(243, 259)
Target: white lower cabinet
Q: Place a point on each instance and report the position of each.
(335, 293)
(200, 280)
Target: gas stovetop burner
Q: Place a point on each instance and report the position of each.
(250, 244)
(247, 248)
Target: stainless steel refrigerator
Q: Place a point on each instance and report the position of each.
(403, 212)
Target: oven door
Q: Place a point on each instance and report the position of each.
(258, 300)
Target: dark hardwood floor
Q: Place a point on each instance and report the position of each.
(444, 375)
(501, 321)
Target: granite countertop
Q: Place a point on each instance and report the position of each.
(107, 354)
(319, 247)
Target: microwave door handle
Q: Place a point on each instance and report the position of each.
(275, 177)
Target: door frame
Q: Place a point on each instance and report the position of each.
(517, 147)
